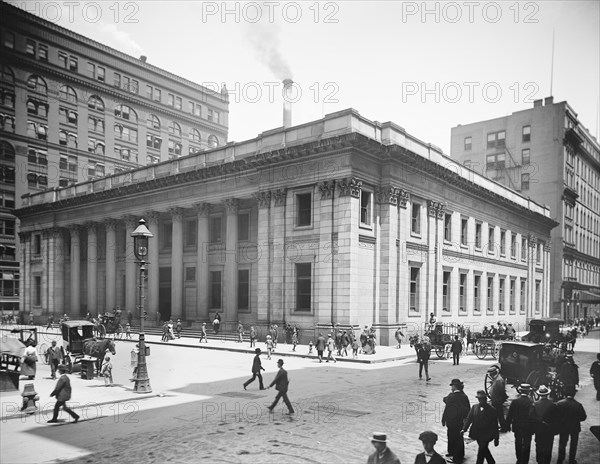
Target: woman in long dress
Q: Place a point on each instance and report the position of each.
(29, 362)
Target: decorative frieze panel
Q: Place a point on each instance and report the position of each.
(263, 198)
(436, 209)
(327, 189)
(349, 186)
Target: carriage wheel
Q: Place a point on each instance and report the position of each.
(480, 350)
(439, 351)
(42, 350)
(496, 350)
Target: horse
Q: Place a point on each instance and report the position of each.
(97, 347)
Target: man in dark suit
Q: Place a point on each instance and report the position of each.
(498, 395)
(256, 368)
(483, 420)
(571, 415)
(62, 392)
(519, 419)
(382, 454)
(456, 411)
(456, 349)
(545, 418)
(281, 383)
(320, 346)
(423, 353)
(429, 456)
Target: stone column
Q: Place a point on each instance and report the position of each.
(435, 212)
(48, 276)
(202, 276)
(325, 262)
(403, 279)
(56, 272)
(153, 284)
(25, 271)
(230, 271)
(131, 272)
(532, 244)
(92, 268)
(263, 241)
(177, 264)
(111, 265)
(278, 267)
(74, 307)
(547, 309)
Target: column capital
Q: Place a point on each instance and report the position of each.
(232, 205)
(436, 209)
(279, 196)
(532, 240)
(91, 226)
(75, 230)
(327, 189)
(177, 213)
(546, 247)
(152, 217)
(56, 232)
(349, 186)
(130, 221)
(203, 209)
(263, 198)
(387, 195)
(403, 198)
(110, 224)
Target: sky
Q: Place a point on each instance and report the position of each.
(426, 66)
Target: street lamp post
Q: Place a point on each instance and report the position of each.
(141, 236)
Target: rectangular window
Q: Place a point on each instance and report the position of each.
(512, 296)
(490, 294)
(91, 69)
(37, 290)
(178, 104)
(37, 245)
(365, 208)
(464, 228)
(73, 64)
(170, 99)
(243, 289)
(9, 40)
(538, 253)
(303, 286)
(496, 139)
(190, 233)
(478, 235)
(157, 95)
(448, 227)
(525, 181)
(42, 52)
(513, 246)
(501, 295)
(522, 305)
(190, 274)
(502, 243)
(215, 229)
(462, 293)
(215, 289)
(117, 80)
(30, 47)
(491, 243)
(63, 59)
(538, 296)
(243, 227)
(414, 289)
(477, 293)
(446, 291)
(303, 209)
(523, 249)
(526, 133)
(415, 223)
(100, 73)
(525, 156)
(468, 143)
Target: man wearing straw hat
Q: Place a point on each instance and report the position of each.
(519, 419)
(544, 414)
(382, 454)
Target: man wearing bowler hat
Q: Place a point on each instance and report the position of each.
(519, 420)
(281, 383)
(382, 454)
(456, 411)
(483, 420)
(256, 368)
(429, 456)
(545, 418)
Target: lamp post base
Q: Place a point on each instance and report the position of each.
(142, 382)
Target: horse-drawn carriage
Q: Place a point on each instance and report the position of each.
(79, 341)
(525, 362)
(441, 335)
(109, 324)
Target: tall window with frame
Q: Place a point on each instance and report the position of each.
(448, 227)
(365, 208)
(303, 209)
(464, 231)
(501, 284)
(476, 293)
(502, 242)
(215, 289)
(523, 293)
(216, 230)
(446, 286)
(413, 303)
(303, 287)
(478, 235)
(523, 249)
(526, 134)
(512, 308)
(490, 294)
(243, 290)
(462, 293)
(538, 296)
(190, 234)
(525, 156)
(243, 227)
(468, 143)
(415, 216)
(491, 242)
(513, 246)
(37, 290)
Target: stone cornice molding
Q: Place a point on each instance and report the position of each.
(387, 195)
(203, 209)
(327, 189)
(403, 198)
(263, 198)
(279, 196)
(436, 209)
(232, 205)
(349, 186)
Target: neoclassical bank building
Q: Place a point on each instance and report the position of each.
(341, 220)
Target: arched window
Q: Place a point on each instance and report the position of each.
(125, 112)
(37, 84)
(68, 93)
(213, 141)
(6, 74)
(7, 151)
(175, 129)
(152, 122)
(96, 103)
(195, 136)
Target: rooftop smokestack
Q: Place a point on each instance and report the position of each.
(143, 58)
(287, 104)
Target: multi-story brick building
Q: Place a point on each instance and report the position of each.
(73, 110)
(547, 154)
(337, 220)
